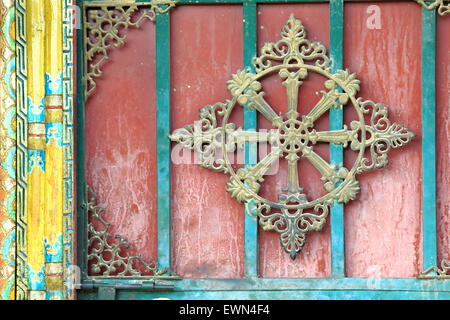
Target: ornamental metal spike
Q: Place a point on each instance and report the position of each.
(294, 137)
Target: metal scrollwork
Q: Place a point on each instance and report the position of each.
(437, 273)
(293, 137)
(108, 257)
(105, 23)
(443, 6)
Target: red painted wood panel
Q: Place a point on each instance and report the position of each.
(121, 141)
(314, 259)
(207, 225)
(383, 226)
(443, 135)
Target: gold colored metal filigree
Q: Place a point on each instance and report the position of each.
(443, 6)
(104, 26)
(437, 273)
(294, 138)
(106, 256)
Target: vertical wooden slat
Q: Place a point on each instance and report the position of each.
(336, 150)
(128, 162)
(203, 215)
(36, 150)
(82, 219)
(163, 131)
(387, 217)
(250, 151)
(429, 138)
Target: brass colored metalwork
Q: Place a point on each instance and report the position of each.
(109, 257)
(104, 26)
(443, 6)
(294, 138)
(436, 272)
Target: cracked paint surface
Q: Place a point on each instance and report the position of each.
(383, 226)
(121, 141)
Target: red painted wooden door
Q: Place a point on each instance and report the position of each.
(383, 226)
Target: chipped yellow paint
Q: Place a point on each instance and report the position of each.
(35, 34)
(54, 151)
(45, 154)
(53, 45)
(35, 57)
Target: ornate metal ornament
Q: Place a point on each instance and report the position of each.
(105, 23)
(294, 137)
(108, 257)
(436, 272)
(443, 6)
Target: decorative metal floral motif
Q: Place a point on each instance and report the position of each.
(104, 30)
(109, 256)
(293, 58)
(436, 272)
(443, 6)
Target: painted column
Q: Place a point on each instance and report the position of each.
(70, 269)
(54, 152)
(35, 28)
(251, 152)
(7, 150)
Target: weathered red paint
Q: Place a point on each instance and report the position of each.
(443, 135)
(207, 232)
(121, 141)
(383, 226)
(314, 259)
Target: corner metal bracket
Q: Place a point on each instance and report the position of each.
(104, 26)
(108, 258)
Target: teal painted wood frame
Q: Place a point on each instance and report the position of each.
(336, 150)
(249, 19)
(252, 287)
(289, 288)
(429, 233)
(163, 132)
